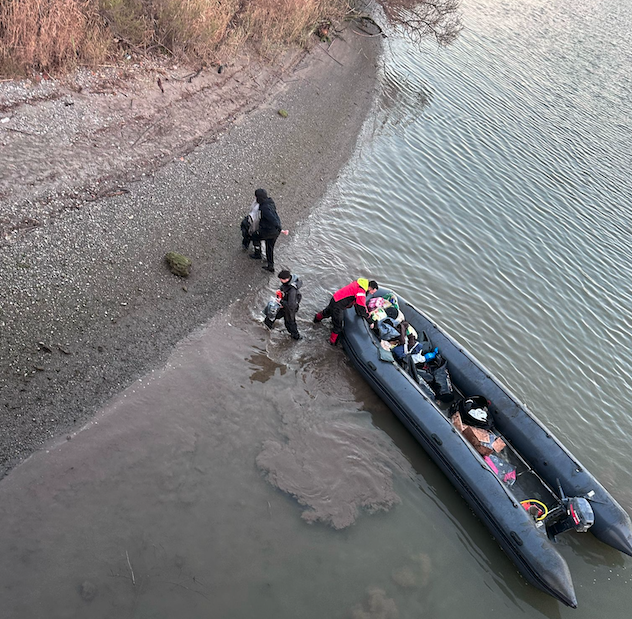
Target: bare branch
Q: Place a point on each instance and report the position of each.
(425, 18)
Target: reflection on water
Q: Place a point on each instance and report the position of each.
(401, 100)
(263, 367)
(440, 20)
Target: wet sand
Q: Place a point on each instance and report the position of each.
(88, 304)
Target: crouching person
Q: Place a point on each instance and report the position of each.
(290, 300)
(250, 225)
(353, 294)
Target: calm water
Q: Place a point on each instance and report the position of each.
(492, 187)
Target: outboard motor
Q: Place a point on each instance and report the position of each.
(573, 513)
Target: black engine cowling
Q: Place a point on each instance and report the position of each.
(574, 513)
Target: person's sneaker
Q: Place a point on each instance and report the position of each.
(268, 268)
(298, 336)
(318, 317)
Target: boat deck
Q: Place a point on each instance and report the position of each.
(528, 485)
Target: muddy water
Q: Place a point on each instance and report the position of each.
(252, 476)
(161, 506)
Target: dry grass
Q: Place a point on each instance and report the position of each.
(58, 34)
(49, 35)
(274, 22)
(195, 26)
(191, 27)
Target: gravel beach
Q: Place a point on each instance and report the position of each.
(88, 304)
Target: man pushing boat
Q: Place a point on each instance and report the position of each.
(353, 294)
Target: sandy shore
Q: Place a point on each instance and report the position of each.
(88, 304)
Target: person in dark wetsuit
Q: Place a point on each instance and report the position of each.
(269, 228)
(290, 285)
(353, 294)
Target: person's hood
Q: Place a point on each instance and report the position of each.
(295, 281)
(363, 283)
(261, 195)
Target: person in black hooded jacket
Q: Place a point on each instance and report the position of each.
(269, 228)
(290, 285)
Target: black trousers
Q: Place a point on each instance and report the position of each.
(335, 311)
(270, 241)
(289, 318)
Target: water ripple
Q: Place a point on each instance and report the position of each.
(495, 195)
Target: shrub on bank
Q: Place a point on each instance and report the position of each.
(171, 26)
(51, 35)
(61, 34)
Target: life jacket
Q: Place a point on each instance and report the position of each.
(353, 293)
(295, 282)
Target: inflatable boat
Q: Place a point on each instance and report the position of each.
(517, 477)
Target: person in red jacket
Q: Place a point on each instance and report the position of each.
(353, 294)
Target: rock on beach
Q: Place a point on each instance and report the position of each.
(178, 264)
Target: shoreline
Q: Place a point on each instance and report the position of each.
(89, 304)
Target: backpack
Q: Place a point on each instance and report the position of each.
(472, 403)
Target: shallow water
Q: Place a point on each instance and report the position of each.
(492, 188)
